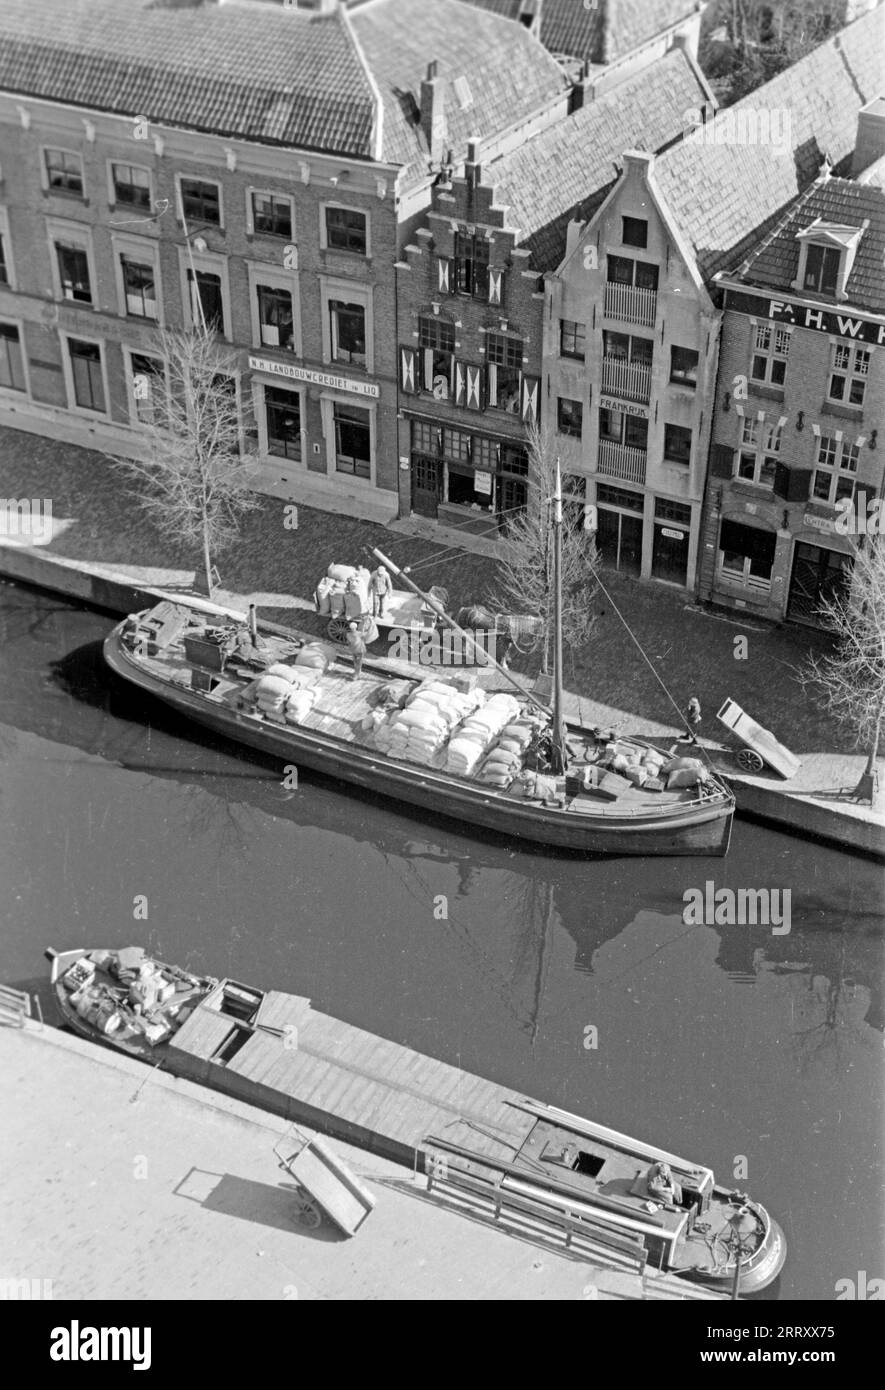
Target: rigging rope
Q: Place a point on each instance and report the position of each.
(648, 663)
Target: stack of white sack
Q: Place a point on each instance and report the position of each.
(300, 703)
(416, 734)
(452, 705)
(271, 694)
(343, 592)
(478, 731)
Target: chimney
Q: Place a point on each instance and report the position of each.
(433, 113)
(870, 143)
(472, 169)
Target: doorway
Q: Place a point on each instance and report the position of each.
(818, 574)
(427, 474)
(619, 540)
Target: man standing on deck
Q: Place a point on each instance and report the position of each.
(358, 648)
(380, 588)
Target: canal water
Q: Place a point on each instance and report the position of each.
(577, 982)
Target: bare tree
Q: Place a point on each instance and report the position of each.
(765, 37)
(525, 565)
(850, 683)
(192, 480)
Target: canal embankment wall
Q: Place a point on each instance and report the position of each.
(154, 1187)
(816, 804)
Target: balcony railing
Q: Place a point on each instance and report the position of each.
(631, 304)
(620, 461)
(630, 380)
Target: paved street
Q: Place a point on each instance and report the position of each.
(692, 651)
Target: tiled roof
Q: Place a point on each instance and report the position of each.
(568, 169)
(775, 261)
(508, 74)
(602, 33)
(724, 194)
(255, 72)
(279, 75)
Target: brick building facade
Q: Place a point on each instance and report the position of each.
(142, 195)
(800, 407)
(470, 321)
(631, 345)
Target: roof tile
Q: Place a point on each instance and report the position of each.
(725, 191)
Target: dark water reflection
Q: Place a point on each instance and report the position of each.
(719, 1043)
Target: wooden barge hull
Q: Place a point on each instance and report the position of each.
(689, 829)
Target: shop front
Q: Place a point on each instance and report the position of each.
(321, 420)
(466, 479)
(670, 545)
(620, 527)
(817, 575)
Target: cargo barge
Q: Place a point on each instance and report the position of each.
(274, 1050)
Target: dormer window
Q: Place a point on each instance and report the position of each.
(822, 269)
(826, 257)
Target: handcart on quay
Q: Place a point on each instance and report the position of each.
(325, 1185)
(760, 745)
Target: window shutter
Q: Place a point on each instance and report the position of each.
(460, 383)
(474, 388)
(721, 461)
(496, 286)
(798, 484)
(407, 370)
(444, 274)
(530, 397)
(427, 372)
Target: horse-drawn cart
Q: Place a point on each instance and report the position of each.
(350, 600)
(326, 1187)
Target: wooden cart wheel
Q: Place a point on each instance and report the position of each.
(749, 760)
(308, 1213)
(337, 629)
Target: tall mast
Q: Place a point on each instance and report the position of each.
(558, 725)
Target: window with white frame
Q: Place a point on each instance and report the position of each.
(848, 377)
(353, 439)
(822, 265)
(746, 555)
(87, 379)
(572, 339)
(64, 172)
(4, 264)
(200, 200)
(346, 229)
(148, 386)
(270, 214)
(436, 340)
(131, 185)
(758, 454)
(835, 469)
(771, 346)
(72, 261)
(504, 357)
(205, 290)
(276, 317)
(139, 288)
(12, 364)
(347, 332)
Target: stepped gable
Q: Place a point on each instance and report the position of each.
(567, 170)
(775, 262)
(725, 195)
